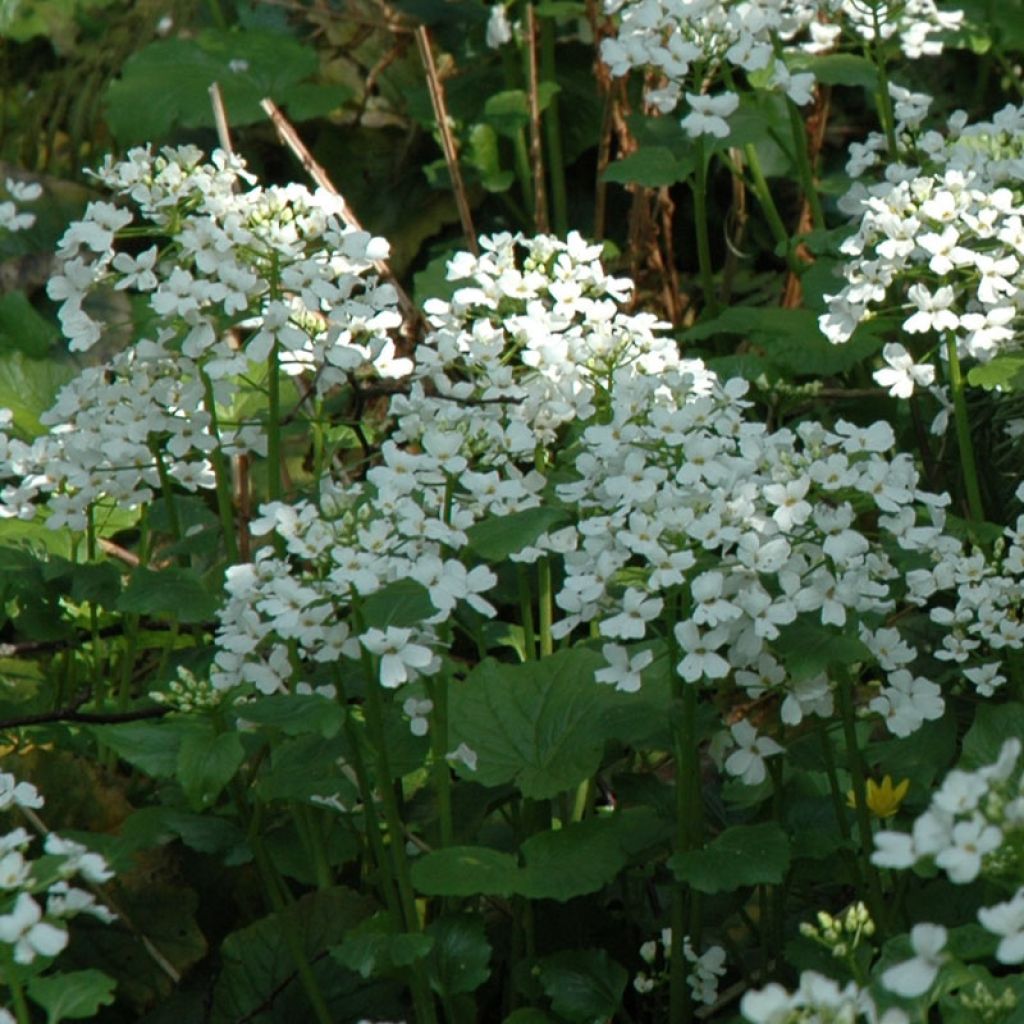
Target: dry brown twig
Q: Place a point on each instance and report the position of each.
(451, 153)
(291, 138)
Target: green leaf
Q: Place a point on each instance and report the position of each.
(560, 864)
(528, 1015)
(23, 329)
(537, 724)
(72, 995)
(173, 592)
(583, 984)
(151, 746)
(466, 871)
(509, 112)
(403, 603)
(496, 538)
(155, 826)
(461, 958)
(742, 855)
(303, 767)
(571, 861)
(791, 339)
(207, 761)
(837, 69)
(98, 582)
(484, 156)
(374, 948)
(808, 648)
(29, 387)
(651, 167)
(258, 966)
(166, 84)
(295, 714)
(993, 725)
(1005, 372)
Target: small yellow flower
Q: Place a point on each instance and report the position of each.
(884, 799)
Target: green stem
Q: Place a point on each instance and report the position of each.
(689, 827)
(553, 131)
(21, 1010)
(963, 434)
(700, 221)
(771, 211)
(273, 425)
(386, 879)
(280, 903)
(374, 708)
(523, 173)
(803, 164)
(526, 612)
(99, 676)
(437, 690)
(222, 474)
(860, 794)
(545, 605)
(883, 101)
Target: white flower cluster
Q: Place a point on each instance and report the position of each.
(938, 240)
(232, 276)
(276, 264)
(817, 998)
(13, 219)
(674, 485)
(31, 929)
(703, 975)
(977, 601)
(664, 482)
(525, 349)
(973, 825)
(689, 44)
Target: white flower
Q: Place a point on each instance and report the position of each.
(499, 31)
(1007, 921)
(748, 761)
(463, 754)
(623, 671)
(418, 710)
(700, 657)
(707, 114)
(20, 794)
(397, 653)
(902, 373)
(637, 610)
(933, 310)
(24, 929)
(914, 977)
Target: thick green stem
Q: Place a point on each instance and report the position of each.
(99, 675)
(803, 164)
(883, 101)
(526, 612)
(373, 706)
(689, 829)
(222, 475)
(553, 131)
(273, 425)
(437, 689)
(700, 221)
(855, 764)
(771, 211)
(545, 605)
(963, 434)
(21, 1009)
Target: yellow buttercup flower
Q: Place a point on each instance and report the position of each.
(884, 798)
